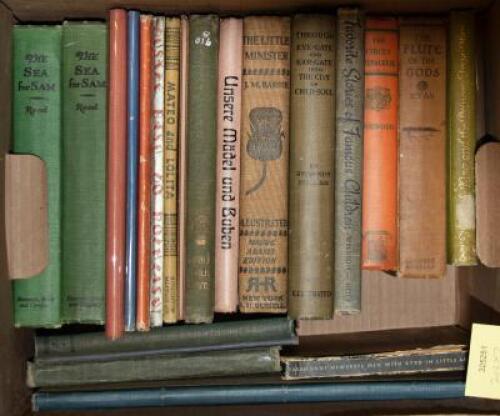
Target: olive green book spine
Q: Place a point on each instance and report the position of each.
(461, 140)
(37, 131)
(312, 155)
(201, 150)
(153, 368)
(83, 171)
(349, 160)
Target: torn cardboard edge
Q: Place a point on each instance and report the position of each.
(26, 216)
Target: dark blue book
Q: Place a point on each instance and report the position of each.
(248, 394)
(132, 168)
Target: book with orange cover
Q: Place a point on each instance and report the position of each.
(116, 178)
(144, 192)
(379, 244)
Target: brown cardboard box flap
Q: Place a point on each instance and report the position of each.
(26, 220)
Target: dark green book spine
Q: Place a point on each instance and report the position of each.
(207, 364)
(201, 149)
(37, 131)
(349, 157)
(83, 168)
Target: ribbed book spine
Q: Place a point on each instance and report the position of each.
(116, 173)
(461, 140)
(312, 155)
(379, 228)
(85, 70)
(422, 143)
(157, 189)
(201, 142)
(132, 168)
(37, 131)
(228, 165)
(182, 169)
(349, 159)
(172, 61)
(264, 165)
(144, 192)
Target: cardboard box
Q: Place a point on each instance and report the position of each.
(397, 313)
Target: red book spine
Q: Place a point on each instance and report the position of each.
(116, 173)
(144, 191)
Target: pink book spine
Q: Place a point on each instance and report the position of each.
(156, 285)
(228, 165)
(182, 171)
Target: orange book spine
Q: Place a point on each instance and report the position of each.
(116, 174)
(379, 245)
(144, 191)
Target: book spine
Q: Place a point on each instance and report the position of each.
(163, 367)
(214, 335)
(422, 143)
(144, 191)
(182, 169)
(37, 131)
(116, 177)
(249, 394)
(379, 217)
(157, 189)
(349, 159)
(201, 141)
(461, 140)
(132, 162)
(312, 153)
(264, 165)
(228, 165)
(84, 139)
(172, 61)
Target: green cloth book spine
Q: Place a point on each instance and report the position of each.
(37, 131)
(83, 167)
(461, 140)
(349, 160)
(201, 150)
(155, 368)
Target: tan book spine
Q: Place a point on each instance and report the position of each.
(312, 157)
(172, 66)
(228, 165)
(264, 165)
(422, 143)
(182, 168)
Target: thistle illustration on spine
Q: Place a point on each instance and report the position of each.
(265, 139)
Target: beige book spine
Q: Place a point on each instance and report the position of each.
(228, 165)
(264, 165)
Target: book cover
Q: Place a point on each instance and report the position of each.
(85, 70)
(349, 159)
(201, 155)
(443, 359)
(380, 199)
(264, 165)
(116, 173)
(182, 169)
(312, 157)
(228, 165)
(248, 394)
(144, 183)
(157, 188)
(172, 67)
(461, 139)
(422, 144)
(132, 168)
(36, 94)
(158, 367)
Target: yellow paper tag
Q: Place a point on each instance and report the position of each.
(483, 370)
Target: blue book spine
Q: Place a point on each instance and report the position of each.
(132, 167)
(255, 394)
